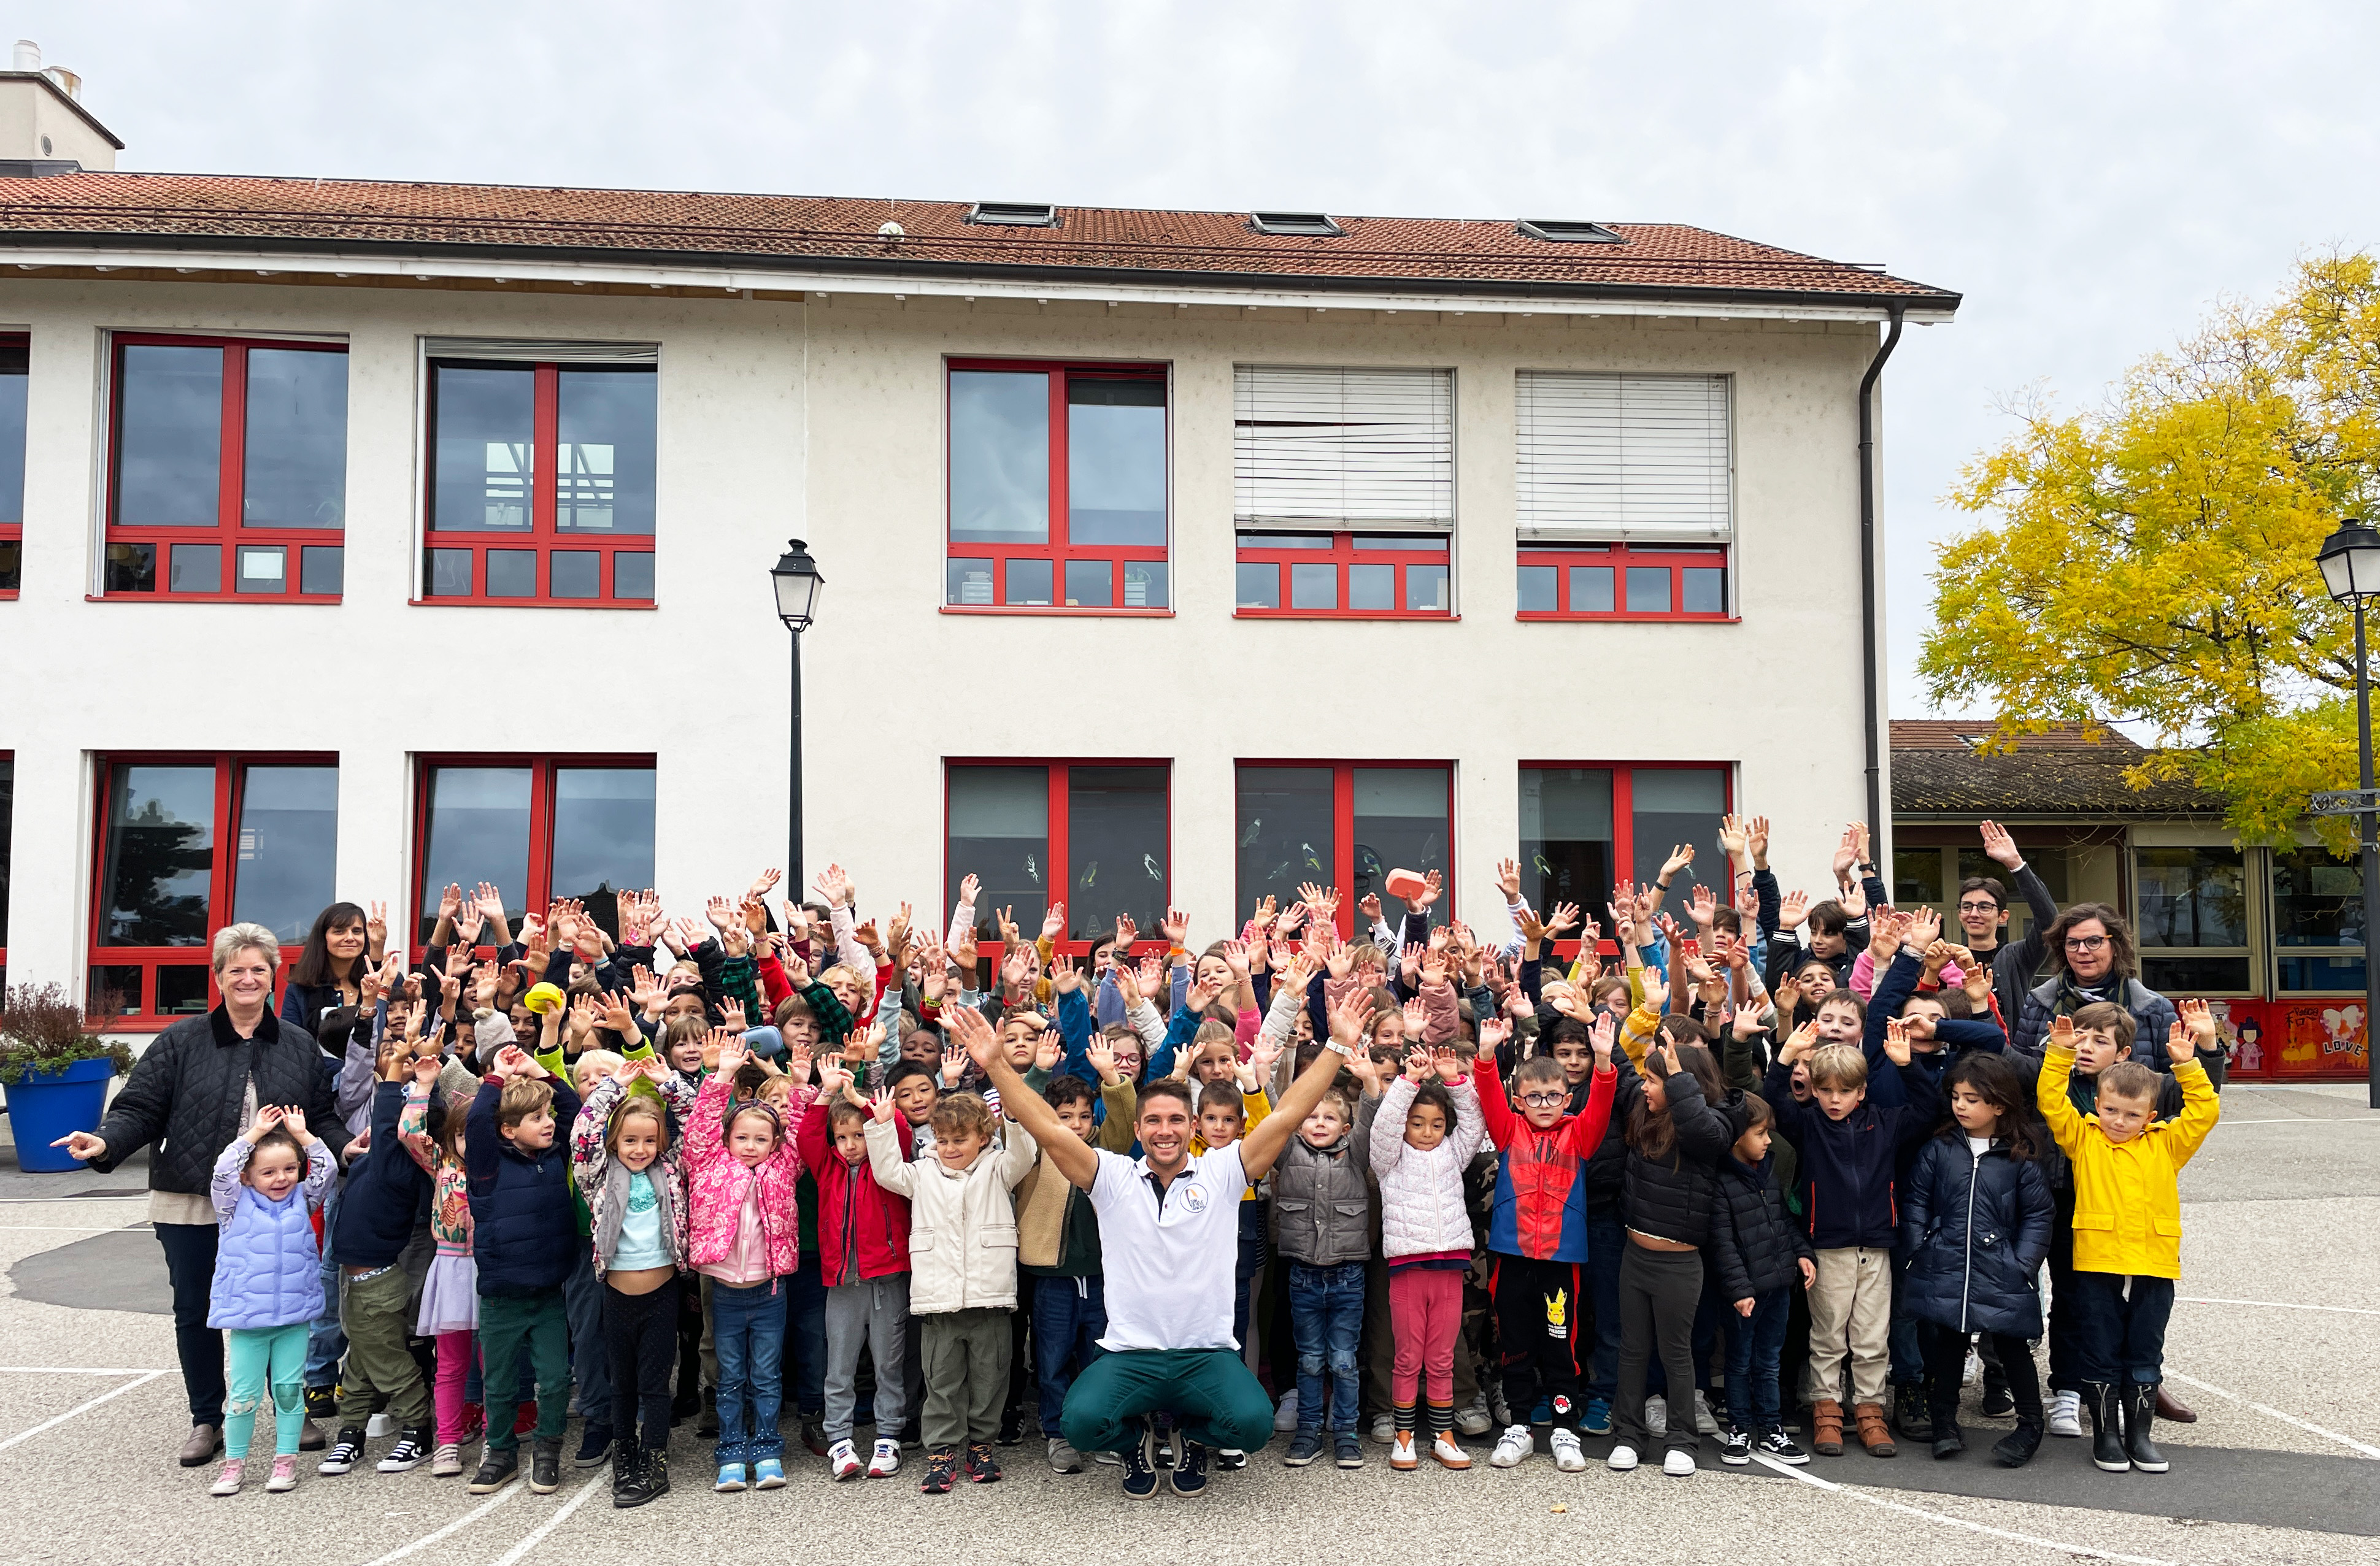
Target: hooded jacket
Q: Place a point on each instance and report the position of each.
(1975, 1229)
(715, 1180)
(1754, 1245)
(961, 1223)
(856, 1218)
(1540, 1203)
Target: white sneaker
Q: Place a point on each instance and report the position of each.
(887, 1461)
(1472, 1418)
(1567, 1457)
(1677, 1465)
(1703, 1424)
(382, 1424)
(1623, 1458)
(842, 1461)
(1384, 1429)
(1284, 1418)
(1515, 1445)
(2064, 1413)
(1656, 1416)
(1975, 1370)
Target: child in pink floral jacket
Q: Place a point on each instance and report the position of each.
(450, 1292)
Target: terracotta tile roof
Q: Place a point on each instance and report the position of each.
(2057, 774)
(166, 210)
(1961, 734)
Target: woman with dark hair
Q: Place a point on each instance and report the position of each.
(341, 950)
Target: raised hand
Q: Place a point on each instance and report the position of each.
(954, 1056)
(293, 1120)
(1063, 976)
(831, 1080)
(1175, 927)
(1416, 1019)
(834, 886)
(968, 886)
(1054, 923)
(1755, 840)
(1508, 879)
(1853, 898)
(730, 1017)
(880, 1108)
(1418, 1065)
(1433, 884)
(267, 1117)
(1703, 907)
(1493, 1032)
(1847, 849)
(1896, 1041)
(721, 913)
(450, 901)
(1103, 1060)
(1235, 957)
(426, 1069)
(376, 925)
(467, 925)
(1731, 836)
(1680, 857)
(1350, 1017)
(1925, 929)
(2001, 847)
(1127, 933)
(765, 882)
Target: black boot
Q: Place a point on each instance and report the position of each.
(2100, 1400)
(2140, 1413)
(628, 1467)
(1999, 1402)
(1909, 1411)
(1948, 1440)
(708, 1427)
(2016, 1448)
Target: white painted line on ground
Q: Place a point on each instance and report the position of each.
(145, 1378)
(2276, 1305)
(32, 1201)
(2085, 1550)
(456, 1527)
(69, 1229)
(513, 1556)
(2301, 1119)
(72, 1370)
(2371, 1451)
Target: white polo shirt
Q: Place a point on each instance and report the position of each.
(1168, 1266)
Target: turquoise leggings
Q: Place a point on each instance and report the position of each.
(263, 1357)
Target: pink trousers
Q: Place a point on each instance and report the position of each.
(455, 1352)
(1426, 1308)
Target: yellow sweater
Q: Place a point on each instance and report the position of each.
(2127, 1194)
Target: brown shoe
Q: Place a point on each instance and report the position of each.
(1873, 1433)
(310, 1438)
(1826, 1427)
(2170, 1407)
(205, 1443)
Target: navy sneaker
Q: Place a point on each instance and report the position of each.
(1597, 1420)
(1348, 1449)
(594, 1446)
(1140, 1466)
(1189, 1466)
(1305, 1449)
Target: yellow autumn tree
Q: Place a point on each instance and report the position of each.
(2152, 561)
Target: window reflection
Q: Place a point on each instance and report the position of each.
(285, 864)
(484, 422)
(1000, 458)
(159, 876)
(478, 830)
(169, 436)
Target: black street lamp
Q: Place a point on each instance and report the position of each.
(2349, 559)
(795, 578)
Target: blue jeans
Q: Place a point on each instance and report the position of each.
(325, 1342)
(1607, 1242)
(806, 1333)
(1325, 1317)
(1754, 1346)
(591, 1356)
(748, 1329)
(1069, 1317)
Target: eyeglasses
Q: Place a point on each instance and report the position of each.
(1985, 906)
(1545, 1100)
(2085, 943)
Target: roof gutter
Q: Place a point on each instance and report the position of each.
(1880, 828)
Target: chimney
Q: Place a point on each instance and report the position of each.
(44, 129)
(28, 55)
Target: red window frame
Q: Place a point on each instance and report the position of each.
(1677, 558)
(231, 782)
(544, 536)
(1343, 835)
(1342, 555)
(1623, 831)
(538, 891)
(229, 532)
(1060, 872)
(1059, 549)
(12, 534)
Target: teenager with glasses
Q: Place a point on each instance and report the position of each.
(1982, 910)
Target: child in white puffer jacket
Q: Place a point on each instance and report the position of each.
(1426, 1132)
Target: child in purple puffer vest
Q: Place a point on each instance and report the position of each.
(268, 1284)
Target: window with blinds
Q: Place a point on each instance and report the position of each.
(1623, 456)
(1339, 446)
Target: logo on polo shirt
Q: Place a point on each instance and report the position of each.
(1194, 1198)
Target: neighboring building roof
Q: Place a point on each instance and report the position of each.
(1937, 770)
(177, 211)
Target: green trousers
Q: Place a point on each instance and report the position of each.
(267, 1360)
(965, 1355)
(538, 1325)
(1217, 1399)
(376, 1313)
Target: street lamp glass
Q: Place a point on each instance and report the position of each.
(2351, 562)
(797, 580)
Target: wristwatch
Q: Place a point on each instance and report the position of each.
(1338, 1049)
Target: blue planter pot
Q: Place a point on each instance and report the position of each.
(43, 1107)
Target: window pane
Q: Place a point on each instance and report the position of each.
(1091, 584)
(605, 472)
(2192, 897)
(2181, 976)
(1028, 582)
(1425, 590)
(12, 555)
(578, 573)
(969, 582)
(1590, 589)
(1649, 590)
(1116, 848)
(450, 572)
(1401, 824)
(1115, 461)
(1284, 831)
(169, 437)
(1410, 543)
(198, 568)
(7, 815)
(1706, 591)
(181, 990)
(1000, 458)
(2293, 973)
(1313, 587)
(1676, 804)
(116, 990)
(1369, 587)
(1916, 877)
(512, 573)
(158, 886)
(263, 569)
(296, 440)
(1144, 584)
(481, 454)
(1536, 589)
(2317, 901)
(1000, 834)
(131, 568)
(1258, 585)
(1284, 541)
(286, 861)
(632, 574)
(602, 837)
(2049, 863)
(12, 433)
(322, 568)
(1566, 836)
(478, 830)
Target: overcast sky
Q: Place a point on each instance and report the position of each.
(2090, 176)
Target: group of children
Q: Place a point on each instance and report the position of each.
(1770, 1141)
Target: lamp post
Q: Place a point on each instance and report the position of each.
(2349, 559)
(795, 578)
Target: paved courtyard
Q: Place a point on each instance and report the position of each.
(2276, 1345)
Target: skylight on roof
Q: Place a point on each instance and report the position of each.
(1315, 224)
(1569, 231)
(1014, 215)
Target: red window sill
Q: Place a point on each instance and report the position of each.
(1634, 619)
(531, 603)
(210, 597)
(7, 595)
(1076, 612)
(1343, 614)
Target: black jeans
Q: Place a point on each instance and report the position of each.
(640, 1346)
(1537, 1313)
(1946, 1363)
(190, 1266)
(1658, 1293)
(2119, 1327)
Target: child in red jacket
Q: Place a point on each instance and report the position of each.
(863, 1235)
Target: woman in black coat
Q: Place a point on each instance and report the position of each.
(1975, 1223)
